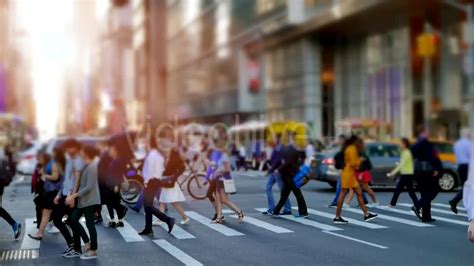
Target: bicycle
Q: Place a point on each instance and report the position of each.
(197, 183)
(132, 187)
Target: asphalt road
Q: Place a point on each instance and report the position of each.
(397, 238)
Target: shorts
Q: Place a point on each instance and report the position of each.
(364, 177)
(48, 200)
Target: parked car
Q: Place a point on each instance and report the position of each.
(27, 159)
(384, 156)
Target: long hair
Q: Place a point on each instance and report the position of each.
(60, 158)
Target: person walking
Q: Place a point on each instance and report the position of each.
(52, 175)
(115, 177)
(153, 169)
(275, 177)
(427, 169)
(462, 149)
(242, 158)
(37, 187)
(88, 199)
(102, 170)
(364, 176)
(6, 176)
(352, 162)
(72, 172)
(170, 191)
(406, 170)
(222, 173)
(291, 161)
(468, 196)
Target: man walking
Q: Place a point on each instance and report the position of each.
(427, 169)
(275, 177)
(462, 149)
(291, 161)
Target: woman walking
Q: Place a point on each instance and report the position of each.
(222, 165)
(52, 175)
(407, 171)
(88, 196)
(117, 168)
(364, 176)
(349, 180)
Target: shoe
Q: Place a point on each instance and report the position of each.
(90, 255)
(265, 213)
(346, 206)
(146, 232)
(53, 230)
(302, 216)
(431, 220)
(417, 212)
(214, 218)
(332, 205)
(39, 238)
(73, 254)
(120, 224)
(339, 221)
(170, 225)
(286, 213)
(185, 221)
(390, 206)
(67, 251)
(157, 222)
(16, 230)
(454, 207)
(113, 225)
(370, 217)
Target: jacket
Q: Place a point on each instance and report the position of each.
(351, 162)
(424, 151)
(291, 161)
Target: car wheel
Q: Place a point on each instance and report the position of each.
(447, 181)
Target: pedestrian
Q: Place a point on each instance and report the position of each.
(291, 160)
(275, 177)
(115, 178)
(234, 157)
(352, 163)
(462, 149)
(72, 172)
(37, 187)
(222, 173)
(6, 176)
(406, 170)
(174, 168)
(153, 169)
(427, 169)
(468, 196)
(52, 174)
(364, 176)
(242, 158)
(103, 168)
(88, 197)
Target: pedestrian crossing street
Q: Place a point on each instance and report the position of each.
(320, 220)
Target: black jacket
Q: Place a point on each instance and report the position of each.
(291, 161)
(424, 151)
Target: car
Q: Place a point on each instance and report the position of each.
(27, 159)
(384, 157)
(84, 140)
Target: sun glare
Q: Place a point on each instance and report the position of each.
(51, 52)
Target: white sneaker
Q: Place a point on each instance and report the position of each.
(184, 222)
(157, 223)
(53, 230)
(89, 256)
(346, 206)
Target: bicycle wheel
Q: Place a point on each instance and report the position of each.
(131, 194)
(198, 186)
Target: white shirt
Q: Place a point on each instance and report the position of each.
(462, 149)
(309, 154)
(468, 193)
(242, 151)
(154, 166)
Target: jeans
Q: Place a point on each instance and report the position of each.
(150, 193)
(405, 181)
(429, 189)
(272, 179)
(89, 214)
(288, 187)
(338, 192)
(58, 213)
(463, 170)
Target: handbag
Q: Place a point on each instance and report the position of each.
(229, 186)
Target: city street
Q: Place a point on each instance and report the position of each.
(395, 238)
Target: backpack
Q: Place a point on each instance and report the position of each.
(6, 173)
(339, 163)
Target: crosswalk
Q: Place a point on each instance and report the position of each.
(319, 219)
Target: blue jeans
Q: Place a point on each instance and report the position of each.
(272, 179)
(338, 192)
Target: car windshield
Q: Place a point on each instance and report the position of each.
(382, 150)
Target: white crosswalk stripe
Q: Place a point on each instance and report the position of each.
(177, 253)
(437, 210)
(178, 232)
(352, 221)
(434, 217)
(30, 228)
(305, 222)
(392, 218)
(216, 227)
(447, 206)
(129, 234)
(261, 224)
(356, 240)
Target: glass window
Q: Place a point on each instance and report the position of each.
(385, 151)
